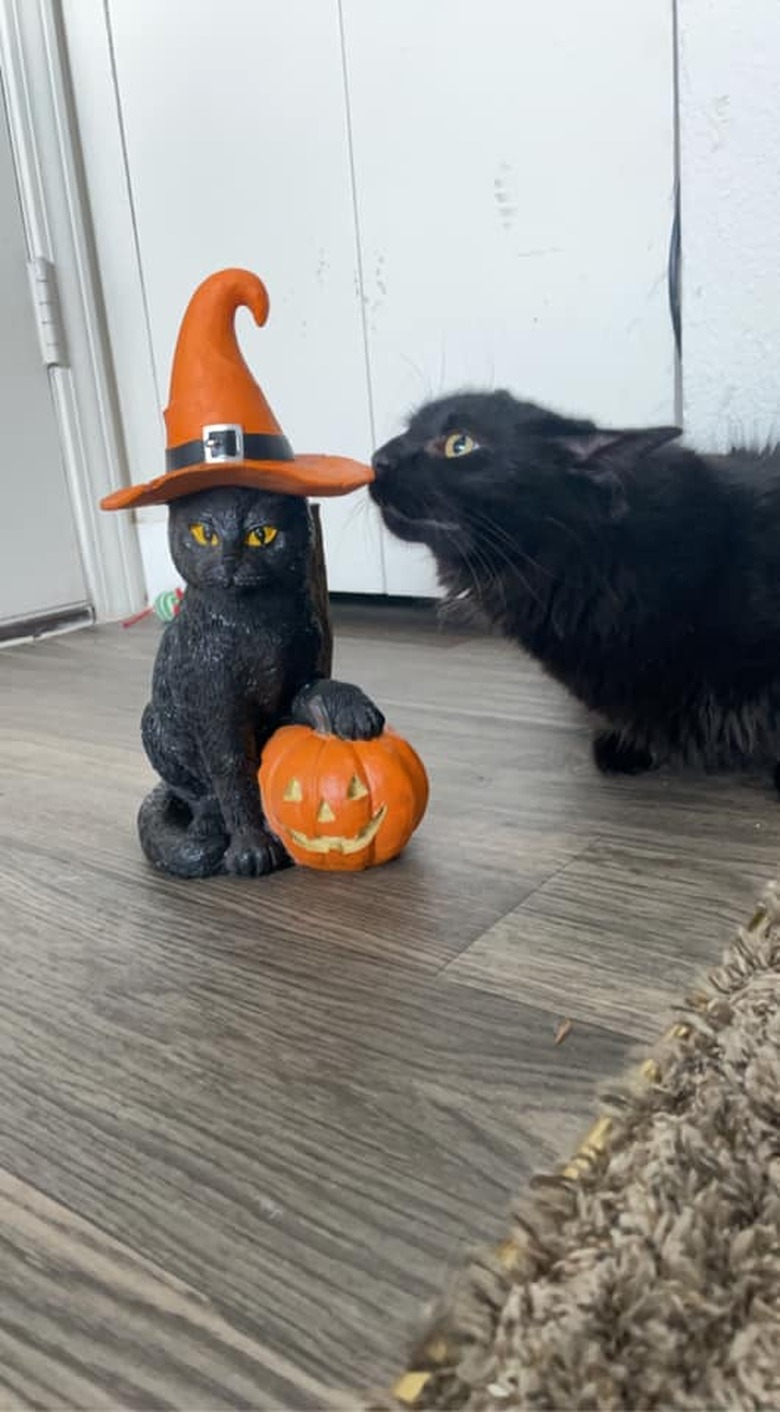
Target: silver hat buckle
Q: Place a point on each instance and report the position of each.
(223, 441)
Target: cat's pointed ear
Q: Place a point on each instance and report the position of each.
(601, 456)
(596, 444)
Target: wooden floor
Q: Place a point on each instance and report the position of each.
(246, 1127)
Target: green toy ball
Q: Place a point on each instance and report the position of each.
(165, 607)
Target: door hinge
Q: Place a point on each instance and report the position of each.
(48, 317)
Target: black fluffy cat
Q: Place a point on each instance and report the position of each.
(644, 576)
(245, 654)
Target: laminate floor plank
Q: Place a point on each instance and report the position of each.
(287, 1106)
(621, 932)
(86, 1322)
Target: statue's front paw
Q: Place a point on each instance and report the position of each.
(251, 855)
(338, 708)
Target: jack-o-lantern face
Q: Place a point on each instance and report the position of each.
(343, 824)
(342, 804)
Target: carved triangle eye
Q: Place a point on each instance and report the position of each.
(356, 789)
(293, 793)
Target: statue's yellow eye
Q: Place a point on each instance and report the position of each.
(261, 537)
(203, 534)
(459, 444)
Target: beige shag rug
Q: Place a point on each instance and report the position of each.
(647, 1273)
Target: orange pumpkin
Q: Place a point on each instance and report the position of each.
(342, 805)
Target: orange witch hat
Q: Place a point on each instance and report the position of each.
(220, 429)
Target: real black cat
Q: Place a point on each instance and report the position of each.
(245, 654)
(644, 576)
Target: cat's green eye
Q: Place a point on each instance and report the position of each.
(204, 535)
(459, 443)
(261, 537)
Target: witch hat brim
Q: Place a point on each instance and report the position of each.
(220, 428)
(303, 475)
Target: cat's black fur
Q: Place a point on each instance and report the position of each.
(644, 576)
(243, 656)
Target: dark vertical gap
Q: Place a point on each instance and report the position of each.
(359, 255)
(675, 243)
(131, 202)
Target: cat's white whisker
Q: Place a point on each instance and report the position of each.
(424, 381)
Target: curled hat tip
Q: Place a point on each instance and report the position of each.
(231, 289)
(250, 291)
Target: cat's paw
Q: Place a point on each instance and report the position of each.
(251, 855)
(338, 708)
(614, 756)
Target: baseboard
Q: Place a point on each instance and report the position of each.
(18, 630)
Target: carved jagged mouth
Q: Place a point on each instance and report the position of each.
(338, 844)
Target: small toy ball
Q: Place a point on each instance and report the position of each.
(342, 805)
(165, 607)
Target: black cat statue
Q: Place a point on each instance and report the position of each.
(250, 647)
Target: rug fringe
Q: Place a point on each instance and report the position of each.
(453, 1356)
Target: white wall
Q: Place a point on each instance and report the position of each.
(729, 59)
(435, 194)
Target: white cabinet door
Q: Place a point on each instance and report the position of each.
(40, 566)
(236, 142)
(437, 192)
(514, 179)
